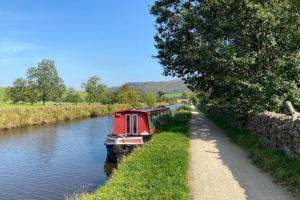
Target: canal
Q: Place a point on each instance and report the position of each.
(54, 161)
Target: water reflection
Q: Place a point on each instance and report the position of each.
(109, 166)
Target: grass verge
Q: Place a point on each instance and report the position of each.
(18, 117)
(285, 170)
(156, 171)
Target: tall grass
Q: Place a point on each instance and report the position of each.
(156, 171)
(18, 117)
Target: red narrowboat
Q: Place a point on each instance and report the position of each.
(133, 127)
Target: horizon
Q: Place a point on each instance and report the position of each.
(105, 40)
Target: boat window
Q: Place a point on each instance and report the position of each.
(135, 123)
(152, 121)
(128, 123)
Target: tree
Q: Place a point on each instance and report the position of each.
(150, 99)
(160, 94)
(95, 90)
(72, 96)
(242, 54)
(32, 94)
(126, 94)
(45, 80)
(17, 93)
(184, 95)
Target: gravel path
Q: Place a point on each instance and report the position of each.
(220, 170)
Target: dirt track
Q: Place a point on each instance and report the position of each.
(220, 170)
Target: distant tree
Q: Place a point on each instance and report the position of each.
(150, 99)
(160, 94)
(45, 80)
(72, 96)
(95, 90)
(17, 93)
(184, 95)
(108, 97)
(127, 94)
(32, 94)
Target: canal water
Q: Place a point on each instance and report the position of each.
(54, 161)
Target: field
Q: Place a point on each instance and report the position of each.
(3, 104)
(173, 95)
(158, 170)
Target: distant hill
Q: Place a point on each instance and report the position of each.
(169, 87)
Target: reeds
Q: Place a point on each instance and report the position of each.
(19, 117)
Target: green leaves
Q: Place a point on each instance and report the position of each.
(45, 80)
(95, 90)
(243, 53)
(42, 84)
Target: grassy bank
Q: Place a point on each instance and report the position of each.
(284, 170)
(158, 170)
(18, 117)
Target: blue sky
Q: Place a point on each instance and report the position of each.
(110, 39)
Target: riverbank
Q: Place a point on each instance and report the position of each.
(29, 115)
(158, 170)
(20, 117)
(284, 170)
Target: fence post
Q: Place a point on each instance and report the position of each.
(292, 110)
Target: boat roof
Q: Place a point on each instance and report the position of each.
(144, 110)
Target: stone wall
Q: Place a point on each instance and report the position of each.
(277, 130)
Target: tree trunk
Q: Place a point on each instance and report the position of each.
(44, 100)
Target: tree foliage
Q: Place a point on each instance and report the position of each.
(128, 95)
(95, 90)
(17, 93)
(72, 96)
(150, 99)
(242, 54)
(42, 84)
(45, 81)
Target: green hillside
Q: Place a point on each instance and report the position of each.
(169, 87)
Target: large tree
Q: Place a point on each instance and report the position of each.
(95, 90)
(44, 80)
(242, 54)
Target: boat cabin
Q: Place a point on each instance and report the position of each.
(139, 122)
(132, 128)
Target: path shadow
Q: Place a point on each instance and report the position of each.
(256, 184)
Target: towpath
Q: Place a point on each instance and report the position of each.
(220, 170)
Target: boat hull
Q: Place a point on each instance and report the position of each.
(120, 146)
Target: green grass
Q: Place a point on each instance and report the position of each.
(5, 105)
(173, 95)
(156, 171)
(284, 170)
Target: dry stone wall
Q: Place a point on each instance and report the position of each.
(277, 130)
